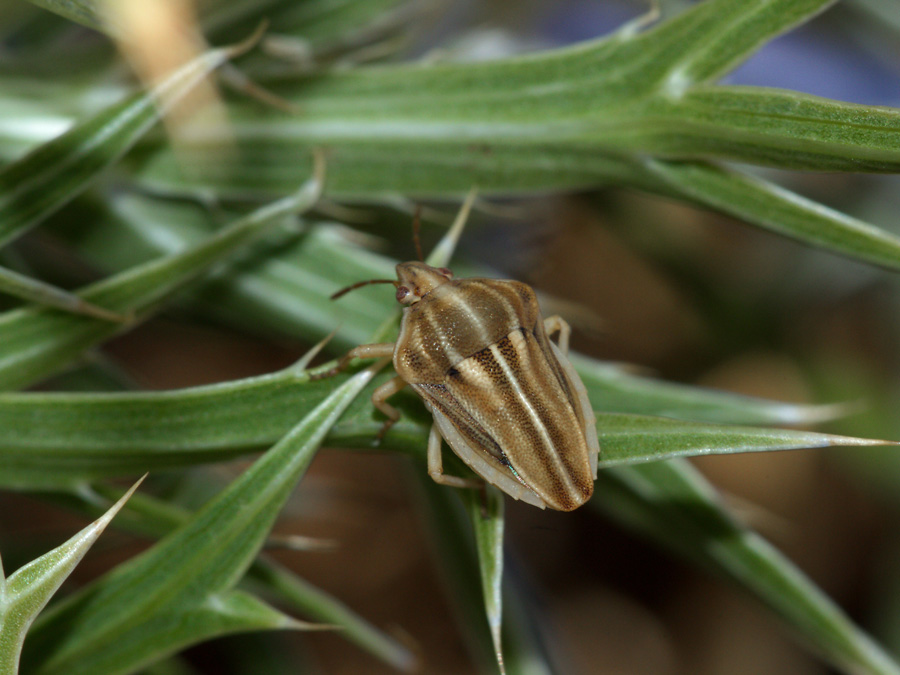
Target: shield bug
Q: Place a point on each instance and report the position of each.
(502, 394)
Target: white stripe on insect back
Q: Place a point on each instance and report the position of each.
(511, 310)
(523, 398)
(475, 322)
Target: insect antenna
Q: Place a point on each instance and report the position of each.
(360, 284)
(417, 226)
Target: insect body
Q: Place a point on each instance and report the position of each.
(503, 396)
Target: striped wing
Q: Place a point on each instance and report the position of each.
(513, 408)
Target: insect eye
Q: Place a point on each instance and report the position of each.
(402, 292)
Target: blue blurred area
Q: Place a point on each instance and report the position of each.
(579, 20)
(815, 58)
(823, 64)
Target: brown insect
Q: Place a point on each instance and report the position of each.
(503, 395)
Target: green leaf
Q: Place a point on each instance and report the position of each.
(762, 203)
(615, 388)
(631, 439)
(39, 292)
(36, 342)
(60, 439)
(618, 110)
(504, 125)
(139, 429)
(639, 109)
(485, 510)
(281, 284)
(671, 503)
(179, 592)
(53, 174)
(721, 35)
(30, 588)
(314, 29)
(84, 12)
(152, 517)
(456, 554)
(320, 606)
(449, 527)
(786, 129)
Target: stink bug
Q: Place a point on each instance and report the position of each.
(504, 397)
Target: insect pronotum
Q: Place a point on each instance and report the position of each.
(502, 394)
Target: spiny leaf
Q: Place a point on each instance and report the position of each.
(486, 515)
(456, 555)
(56, 172)
(61, 439)
(35, 342)
(577, 117)
(30, 588)
(616, 388)
(771, 127)
(153, 517)
(320, 606)
(171, 596)
(149, 516)
(765, 204)
(631, 439)
(728, 32)
(41, 293)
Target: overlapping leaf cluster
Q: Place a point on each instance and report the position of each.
(639, 108)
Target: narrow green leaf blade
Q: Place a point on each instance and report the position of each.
(318, 605)
(486, 515)
(84, 12)
(36, 342)
(282, 285)
(455, 553)
(724, 33)
(41, 293)
(673, 505)
(613, 387)
(563, 118)
(138, 433)
(502, 126)
(633, 439)
(220, 614)
(53, 174)
(127, 618)
(149, 516)
(61, 439)
(30, 588)
(771, 127)
(767, 205)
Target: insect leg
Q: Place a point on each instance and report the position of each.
(379, 397)
(373, 351)
(556, 323)
(436, 464)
